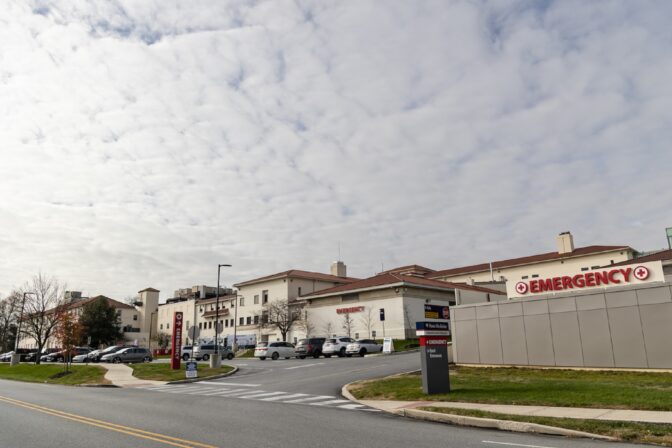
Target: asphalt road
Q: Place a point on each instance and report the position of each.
(293, 403)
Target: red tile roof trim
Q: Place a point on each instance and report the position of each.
(550, 256)
(299, 274)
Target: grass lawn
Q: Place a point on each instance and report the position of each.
(591, 389)
(50, 373)
(630, 431)
(249, 353)
(163, 372)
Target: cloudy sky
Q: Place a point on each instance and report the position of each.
(143, 142)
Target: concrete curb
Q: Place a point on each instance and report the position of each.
(98, 385)
(490, 423)
(195, 380)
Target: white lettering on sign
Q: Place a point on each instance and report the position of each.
(437, 342)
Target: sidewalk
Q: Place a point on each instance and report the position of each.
(121, 375)
(397, 407)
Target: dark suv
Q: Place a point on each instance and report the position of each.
(309, 347)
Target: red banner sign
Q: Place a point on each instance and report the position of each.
(352, 309)
(177, 341)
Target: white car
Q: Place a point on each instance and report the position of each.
(273, 350)
(336, 346)
(363, 346)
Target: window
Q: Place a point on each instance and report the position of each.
(299, 290)
(232, 323)
(167, 326)
(248, 321)
(584, 269)
(210, 324)
(241, 320)
(256, 319)
(295, 340)
(242, 301)
(535, 275)
(256, 299)
(161, 327)
(264, 296)
(356, 335)
(135, 317)
(525, 277)
(200, 325)
(226, 323)
(373, 333)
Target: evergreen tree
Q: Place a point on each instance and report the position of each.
(100, 321)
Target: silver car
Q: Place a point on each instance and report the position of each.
(132, 354)
(363, 346)
(205, 351)
(274, 350)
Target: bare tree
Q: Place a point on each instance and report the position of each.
(368, 320)
(347, 324)
(282, 315)
(44, 308)
(10, 308)
(329, 329)
(306, 324)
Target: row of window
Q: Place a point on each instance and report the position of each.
(583, 269)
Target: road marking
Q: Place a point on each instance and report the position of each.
(238, 394)
(305, 365)
(350, 406)
(202, 391)
(230, 384)
(174, 441)
(324, 403)
(264, 394)
(515, 444)
(284, 397)
(303, 400)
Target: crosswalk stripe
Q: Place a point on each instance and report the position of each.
(316, 397)
(324, 403)
(265, 394)
(261, 395)
(284, 397)
(222, 383)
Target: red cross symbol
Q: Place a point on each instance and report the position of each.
(521, 287)
(641, 273)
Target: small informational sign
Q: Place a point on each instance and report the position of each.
(192, 369)
(437, 312)
(434, 356)
(193, 332)
(388, 346)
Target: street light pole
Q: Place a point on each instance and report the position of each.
(215, 361)
(16, 358)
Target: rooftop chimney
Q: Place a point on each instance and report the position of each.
(338, 269)
(565, 243)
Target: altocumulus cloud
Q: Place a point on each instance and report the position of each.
(143, 142)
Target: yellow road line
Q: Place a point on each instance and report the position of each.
(168, 440)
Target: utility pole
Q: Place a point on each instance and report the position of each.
(16, 358)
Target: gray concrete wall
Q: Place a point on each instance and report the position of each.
(627, 327)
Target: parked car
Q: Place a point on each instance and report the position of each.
(336, 346)
(87, 357)
(66, 355)
(363, 346)
(187, 350)
(309, 347)
(106, 351)
(129, 354)
(274, 350)
(205, 351)
(6, 357)
(31, 357)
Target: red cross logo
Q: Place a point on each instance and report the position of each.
(641, 273)
(521, 288)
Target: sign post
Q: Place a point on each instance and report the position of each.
(434, 356)
(177, 341)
